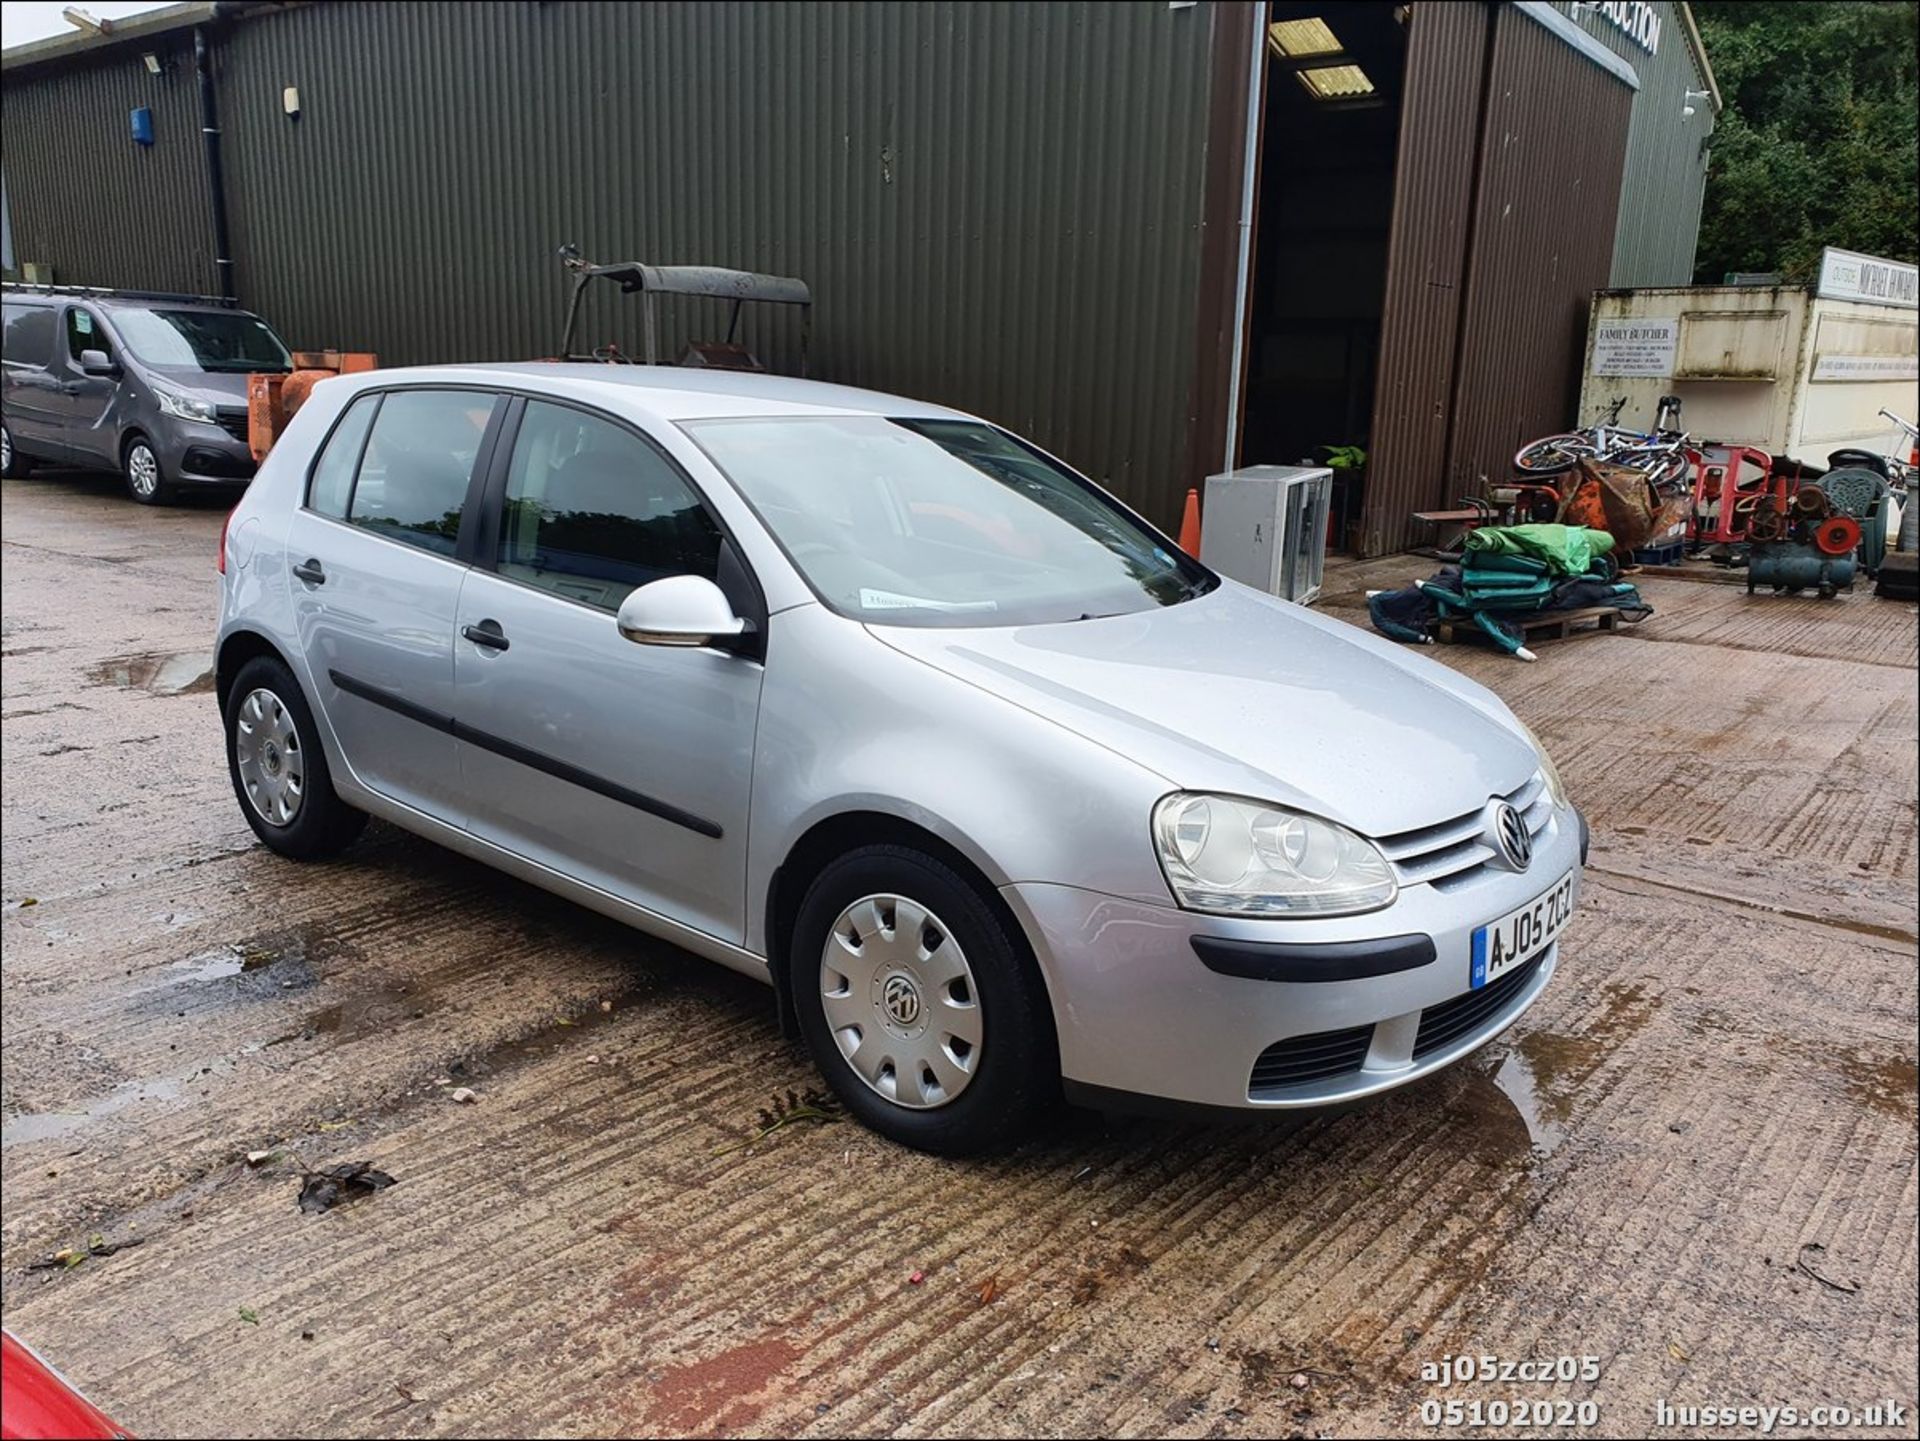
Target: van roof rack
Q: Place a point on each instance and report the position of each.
(104, 293)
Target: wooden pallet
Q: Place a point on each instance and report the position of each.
(1555, 625)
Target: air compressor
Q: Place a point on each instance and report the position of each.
(1799, 540)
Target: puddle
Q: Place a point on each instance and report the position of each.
(1887, 1085)
(269, 964)
(51, 1125)
(1536, 1078)
(182, 673)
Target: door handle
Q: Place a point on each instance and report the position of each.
(487, 634)
(311, 572)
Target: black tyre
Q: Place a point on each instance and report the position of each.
(145, 477)
(1552, 454)
(921, 1005)
(12, 463)
(279, 768)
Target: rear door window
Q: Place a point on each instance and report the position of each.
(412, 482)
(592, 511)
(29, 335)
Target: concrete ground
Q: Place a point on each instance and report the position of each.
(1694, 1160)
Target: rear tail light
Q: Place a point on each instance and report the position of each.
(220, 561)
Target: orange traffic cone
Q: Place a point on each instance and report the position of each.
(1190, 525)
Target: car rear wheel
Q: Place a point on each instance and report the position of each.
(12, 463)
(279, 770)
(919, 1004)
(146, 481)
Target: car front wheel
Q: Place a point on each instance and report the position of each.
(919, 1004)
(279, 771)
(146, 481)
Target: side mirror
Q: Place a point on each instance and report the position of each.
(96, 362)
(680, 610)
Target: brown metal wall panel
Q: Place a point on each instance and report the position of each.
(998, 205)
(1426, 265)
(1666, 170)
(1552, 149)
(84, 198)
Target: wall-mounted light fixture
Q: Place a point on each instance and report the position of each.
(152, 62)
(290, 101)
(1686, 111)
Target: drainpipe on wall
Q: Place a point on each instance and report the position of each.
(1243, 273)
(216, 179)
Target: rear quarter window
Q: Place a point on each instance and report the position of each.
(332, 480)
(28, 338)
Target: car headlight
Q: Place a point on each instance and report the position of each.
(187, 407)
(1240, 857)
(1556, 792)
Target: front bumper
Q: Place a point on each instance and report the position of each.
(194, 452)
(1139, 1014)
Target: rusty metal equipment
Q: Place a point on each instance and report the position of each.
(710, 281)
(1727, 481)
(1799, 541)
(273, 399)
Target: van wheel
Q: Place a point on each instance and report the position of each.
(146, 482)
(13, 464)
(279, 769)
(918, 1004)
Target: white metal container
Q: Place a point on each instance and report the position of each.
(1796, 371)
(1266, 526)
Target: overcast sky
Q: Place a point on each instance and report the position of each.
(24, 20)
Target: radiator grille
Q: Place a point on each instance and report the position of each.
(1452, 849)
(1442, 1025)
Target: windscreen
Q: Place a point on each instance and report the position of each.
(943, 522)
(225, 342)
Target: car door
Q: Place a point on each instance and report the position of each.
(375, 564)
(623, 765)
(81, 403)
(31, 390)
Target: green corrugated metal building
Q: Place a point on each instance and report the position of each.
(1133, 231)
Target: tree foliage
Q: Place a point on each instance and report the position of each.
(1818, 141)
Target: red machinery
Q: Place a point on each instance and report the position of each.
(272, 399)
(1729, 481)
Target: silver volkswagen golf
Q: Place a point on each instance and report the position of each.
(1001, 792)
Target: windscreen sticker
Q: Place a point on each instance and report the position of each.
(892, 600)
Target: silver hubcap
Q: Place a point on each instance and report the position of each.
(6, 449)
(273, 767)
(143, 470)
(900, 1001)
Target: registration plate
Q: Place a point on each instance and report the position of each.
(1519, 936)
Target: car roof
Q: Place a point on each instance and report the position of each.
(667, 392)
(111, 300)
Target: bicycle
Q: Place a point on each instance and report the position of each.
(1661, 453)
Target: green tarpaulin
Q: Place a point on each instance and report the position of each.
(1566, 549)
